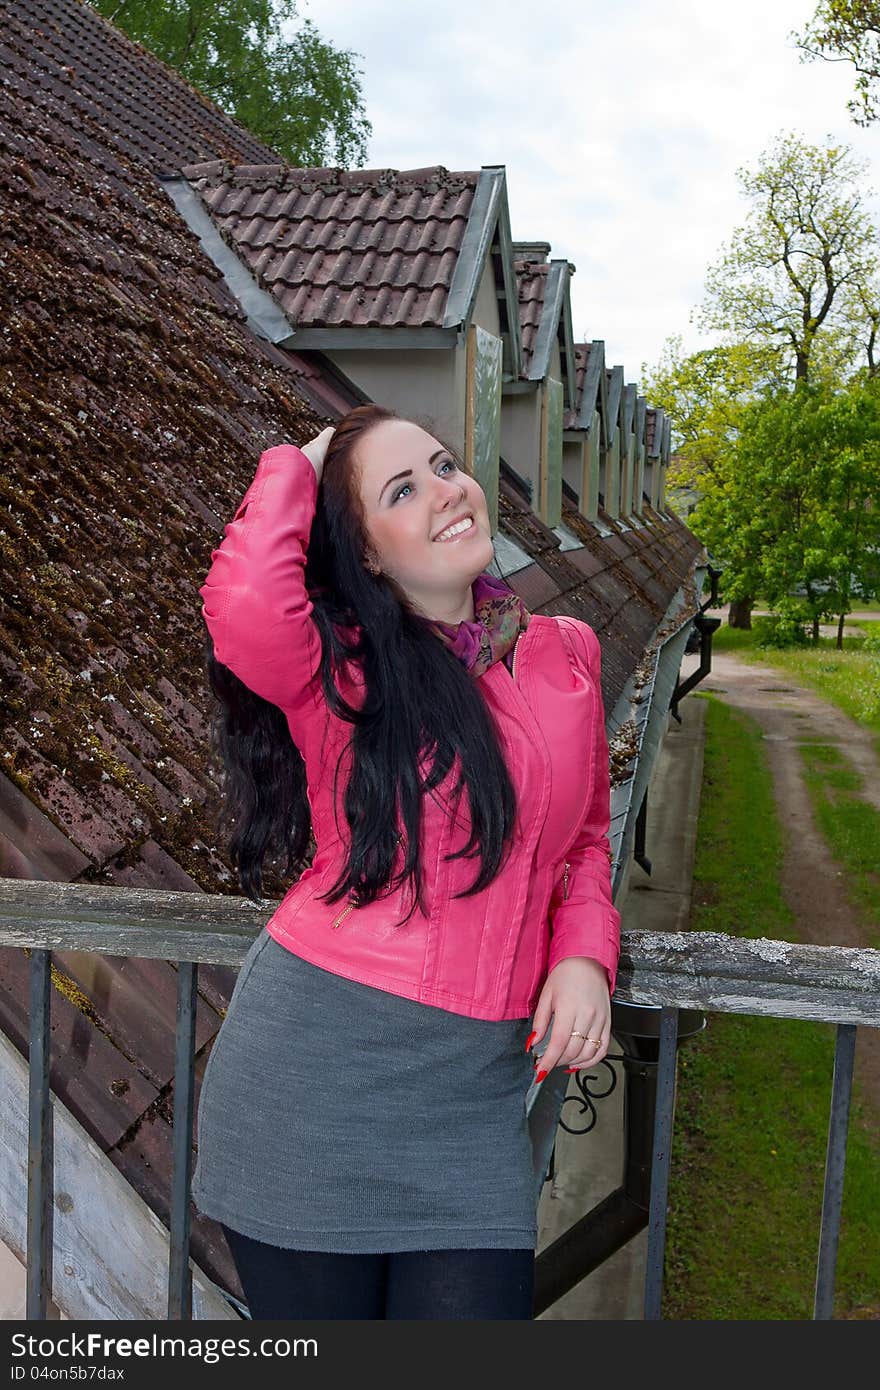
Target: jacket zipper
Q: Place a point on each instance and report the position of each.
(566, 867)
(343, 914)
(513, 658)
(354, 902)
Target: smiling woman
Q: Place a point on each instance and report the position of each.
(410, 510)
(363, 660)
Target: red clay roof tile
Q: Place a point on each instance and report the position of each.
(344, 247)
(531, 281)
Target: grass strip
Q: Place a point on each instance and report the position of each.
(753, 1093)
(851, 827)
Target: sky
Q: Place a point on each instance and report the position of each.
(621, 124)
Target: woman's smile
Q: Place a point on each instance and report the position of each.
(457, 530)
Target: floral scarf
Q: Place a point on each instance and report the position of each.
(500, 617)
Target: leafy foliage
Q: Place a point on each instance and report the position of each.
(849, 30)
(779, 631)
(799, 276)
(793, 510)
(705, 394)
(290, 88)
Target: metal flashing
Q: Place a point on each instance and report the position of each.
(614, 379)
(264, 318)
(548, 328)
(474, 248)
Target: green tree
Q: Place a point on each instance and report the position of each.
(848, 31)
(793, 275)
(794, 510)
(704, 393)
(292, 89)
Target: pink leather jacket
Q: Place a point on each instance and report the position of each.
(485, 956)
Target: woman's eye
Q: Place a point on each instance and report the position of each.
(447, 463)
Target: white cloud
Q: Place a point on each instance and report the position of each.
(621, 127)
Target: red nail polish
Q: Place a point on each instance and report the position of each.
(540, 1076)
(572, 1068)
(530, 1039)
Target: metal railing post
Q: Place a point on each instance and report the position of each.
(40, 1146)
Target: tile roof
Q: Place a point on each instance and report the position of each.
(344, 248)
(622, 584)
(654, 425)
(531, 282)
(582, 352)
(120, 97)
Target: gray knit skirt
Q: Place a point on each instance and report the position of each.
(339, 1117)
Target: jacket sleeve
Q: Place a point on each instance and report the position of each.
(255, 603)
(585, 921)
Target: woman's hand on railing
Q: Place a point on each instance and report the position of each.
(316, 449)
(575, 1000)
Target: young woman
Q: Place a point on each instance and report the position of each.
(362, 1131)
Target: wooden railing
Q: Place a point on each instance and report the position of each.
(709, 971)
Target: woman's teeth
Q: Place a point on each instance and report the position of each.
(451, 531)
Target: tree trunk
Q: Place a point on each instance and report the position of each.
(815, 630)
(740, 613)
(840, 622)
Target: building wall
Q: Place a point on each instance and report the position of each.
(486, 305)
(521, 435)
(573, 458)
(426, 384)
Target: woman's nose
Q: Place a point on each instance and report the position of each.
(451, 491)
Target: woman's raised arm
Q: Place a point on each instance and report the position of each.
(255, 603)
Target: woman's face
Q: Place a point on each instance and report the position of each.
(412, 490)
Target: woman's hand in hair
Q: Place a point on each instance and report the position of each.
(316, 449)
(575, 997)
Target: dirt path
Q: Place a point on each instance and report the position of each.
(788, 715)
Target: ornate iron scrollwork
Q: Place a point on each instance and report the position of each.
(585, 1094)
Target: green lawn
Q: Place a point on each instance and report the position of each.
(851, 827)
(849, 679)
(753, 1093)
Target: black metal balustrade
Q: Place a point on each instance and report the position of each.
(673, 972)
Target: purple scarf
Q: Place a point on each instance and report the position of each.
(500, 617)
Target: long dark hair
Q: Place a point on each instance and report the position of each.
(421, 713)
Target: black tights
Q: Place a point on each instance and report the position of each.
(302, 1284)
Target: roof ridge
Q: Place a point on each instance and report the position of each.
(326, 175)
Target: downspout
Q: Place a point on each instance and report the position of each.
(706, 627)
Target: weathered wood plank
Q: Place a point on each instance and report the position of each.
(703, 970)
(152, 923)
(732, 974)
(110, 1251)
